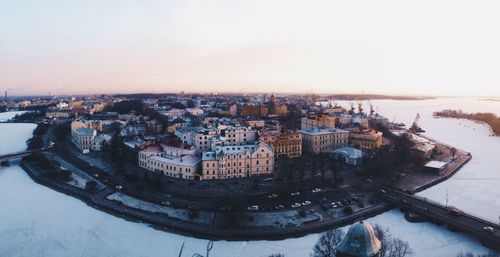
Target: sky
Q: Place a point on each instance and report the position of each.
(425, 47)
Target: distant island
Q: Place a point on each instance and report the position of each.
(490, 118)
(350, 97)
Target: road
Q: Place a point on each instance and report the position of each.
(456, 220)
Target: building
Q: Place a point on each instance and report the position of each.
(93, 124)
(54, 113)
(288, 143)
(323, 140)
(170, 160)
(238, 161)
(194, 111)
(174, 112)
(86, 139)
(196, 136)
(233, 110)
(366, 140)
(360, 241)
(322, 121)
(250, 110)
(236, 135)
(348, 155)
(436, 167)
(255, 123)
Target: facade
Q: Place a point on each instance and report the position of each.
(239, 161)
(367, 140)
(86, 139)
(250, 110)
(54, 113)
(288, 143)
(93, 124)
(255, 123)
(200, 138)
(172, 161)
(236, 135)
(323, 140)
(322, 121)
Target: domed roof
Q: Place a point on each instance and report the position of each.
(360, 241)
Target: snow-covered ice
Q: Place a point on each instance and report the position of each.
(37, 221)
(5, 116)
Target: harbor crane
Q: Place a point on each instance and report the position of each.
(360, 107)
(415, 127)
(372, 111)
(351, 112)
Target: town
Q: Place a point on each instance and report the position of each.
(229, 166)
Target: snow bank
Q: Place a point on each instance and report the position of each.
(5, 116)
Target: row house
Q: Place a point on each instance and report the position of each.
(287, 143)
(237, 161)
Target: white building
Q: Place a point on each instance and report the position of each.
(323, 140)
(195, 111)
(170, 161)
(198, 137)
(86, 139)
(235, 135)
(237, 161)
(174, 112)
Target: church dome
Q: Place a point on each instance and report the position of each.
(360, 241)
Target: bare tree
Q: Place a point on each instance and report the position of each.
(391, 246)
(398, 248)
(328, 241)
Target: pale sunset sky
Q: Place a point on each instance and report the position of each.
(425, 47)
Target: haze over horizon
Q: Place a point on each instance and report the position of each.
(385, 47)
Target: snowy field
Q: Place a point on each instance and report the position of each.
(37, 221)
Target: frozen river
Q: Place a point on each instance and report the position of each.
(37, 221)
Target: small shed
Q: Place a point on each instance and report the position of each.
(436, 167)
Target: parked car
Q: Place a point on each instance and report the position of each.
(166, 203)
(279, 207)
(454, 211)
(305, 203)
(316, 190)
(253, 208)
(489, 229)
(296, 205)
(294, 193)
(272, 196)
(334, 205)
(323, 200)
(268, 179)
(119, 187)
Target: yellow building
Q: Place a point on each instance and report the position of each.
(366, 140)
(239, 161)
(322, 121)
(288, 143)
(249, 110)
(323, 140)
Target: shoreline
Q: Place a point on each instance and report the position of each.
(195, 230)
(97, 200)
